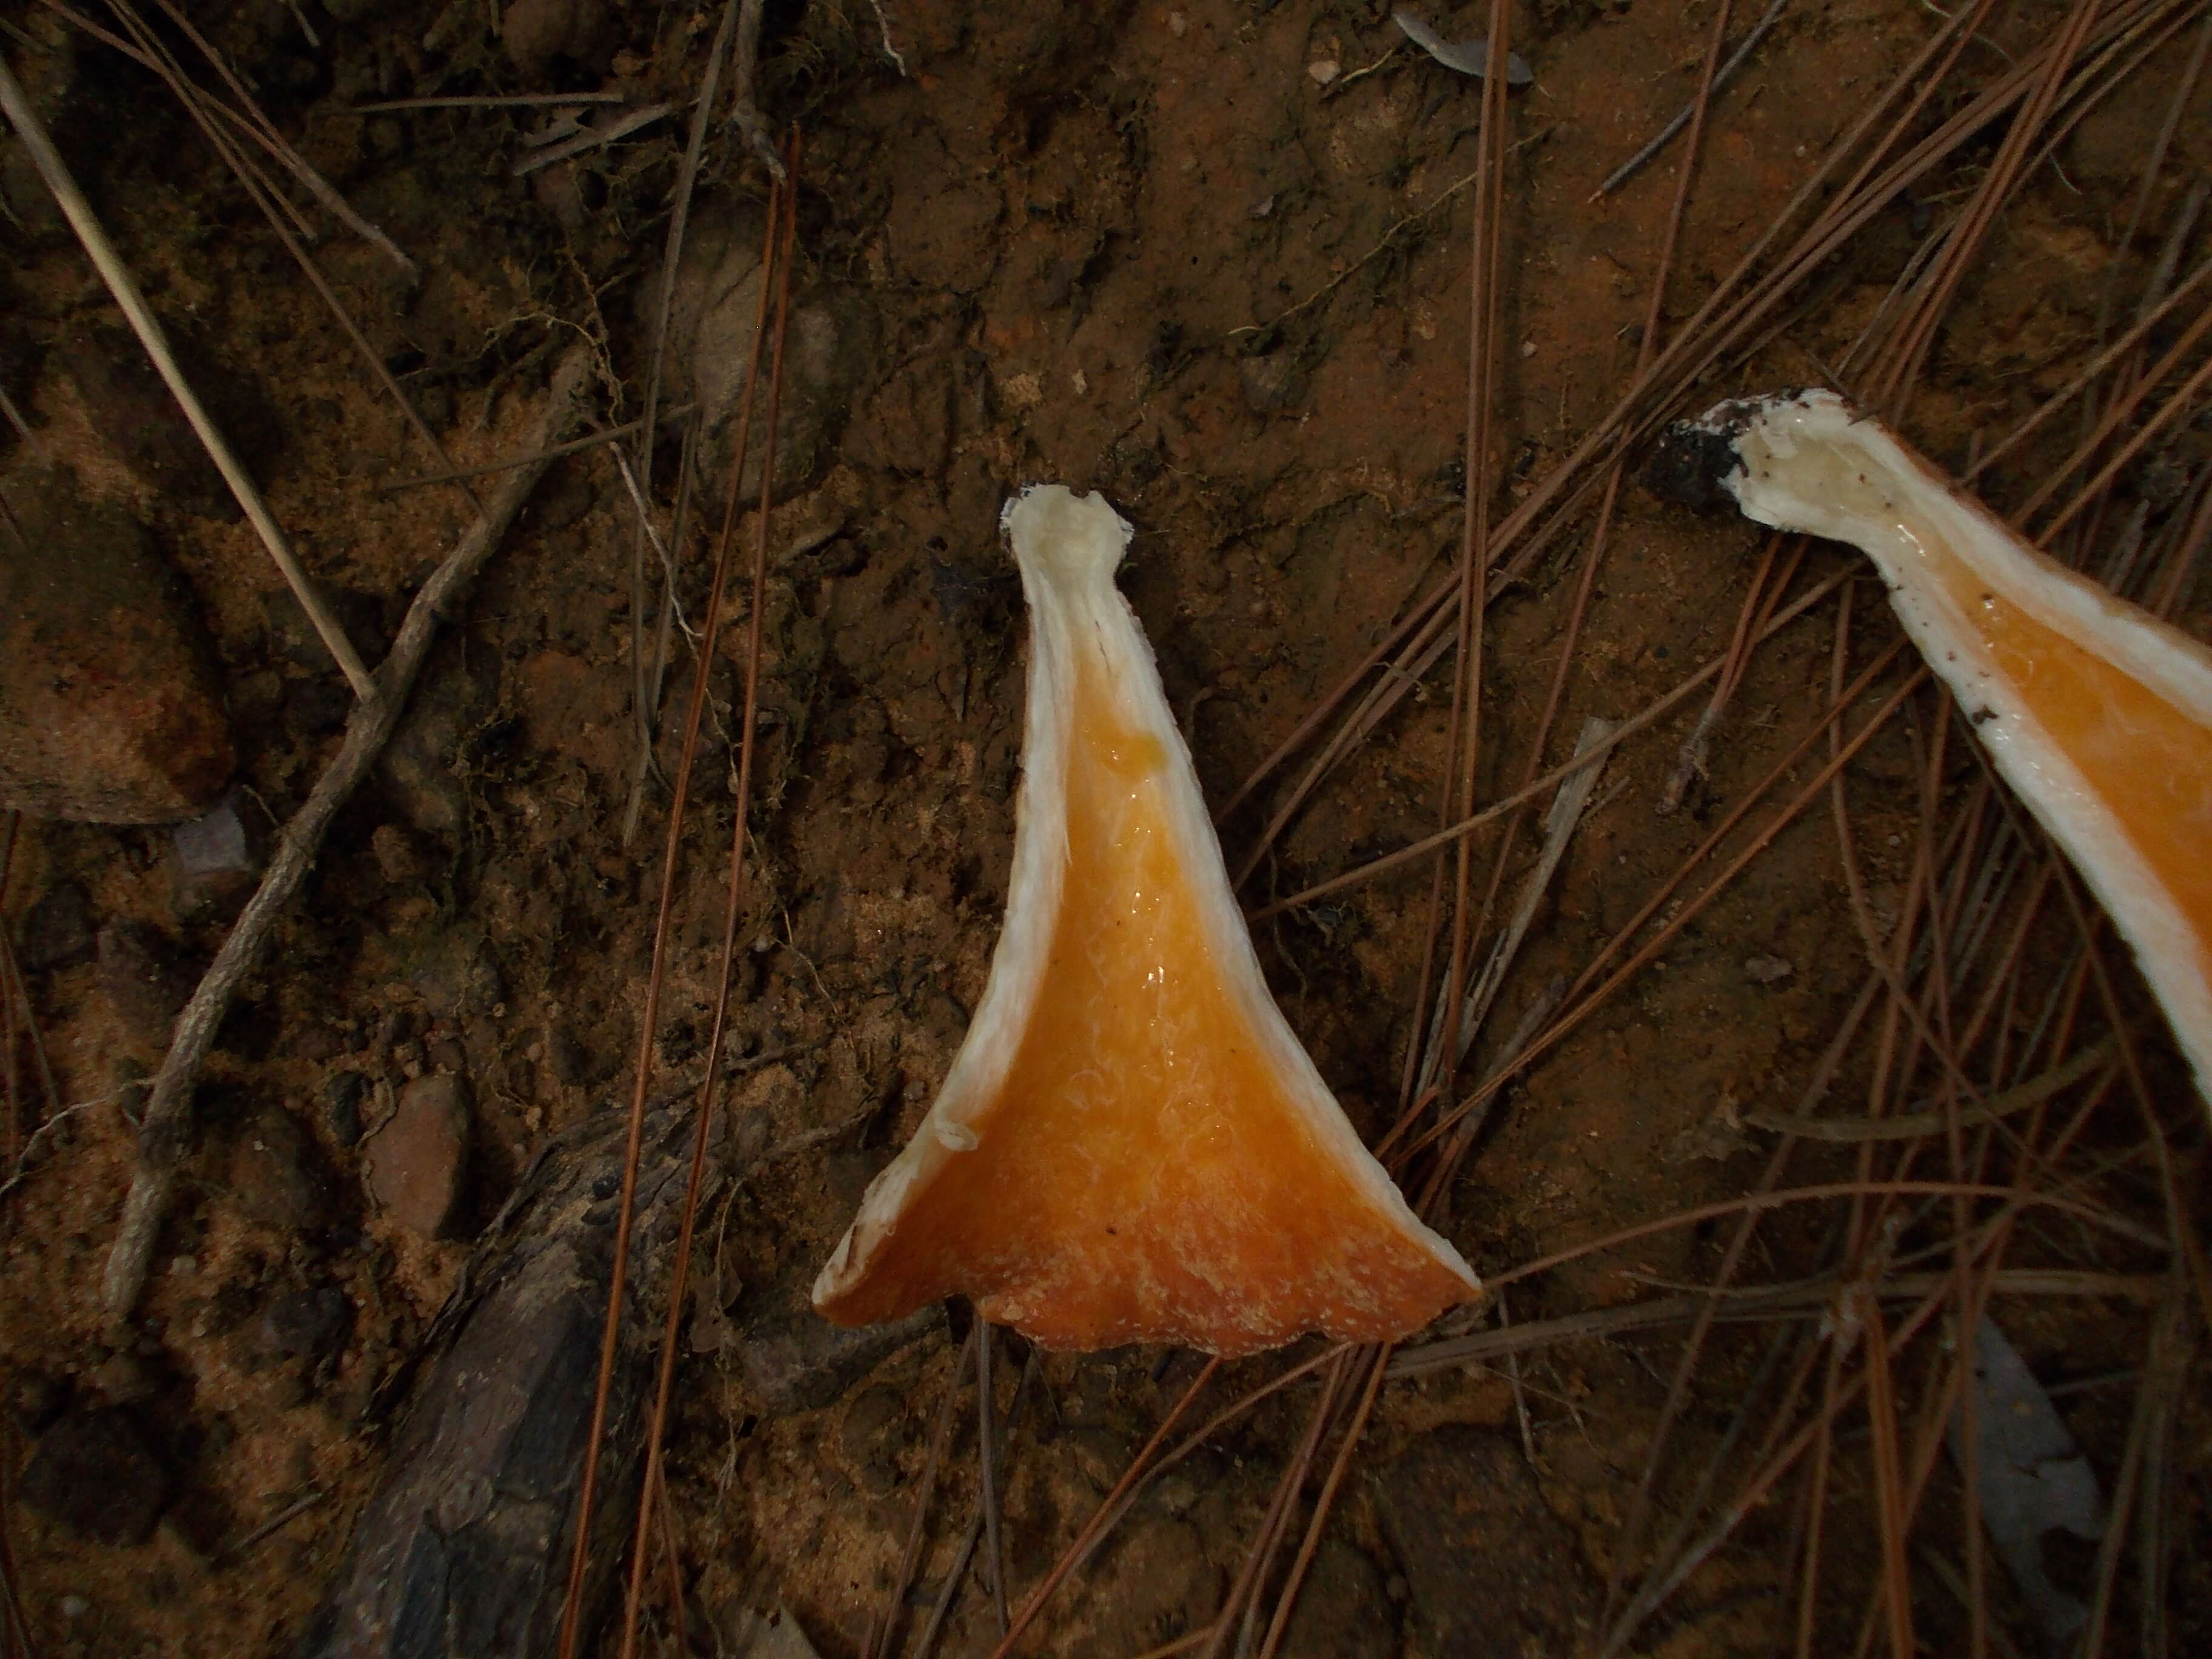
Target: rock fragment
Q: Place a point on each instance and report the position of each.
(1764, 970)
(111, 711)
(95, 1472)
(145, 978)
(277, 1174)
(57, 931)
(416, 1160)
(310, 1325)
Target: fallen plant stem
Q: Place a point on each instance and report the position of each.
(777, 249)
(1628, 169)
(165, 1131)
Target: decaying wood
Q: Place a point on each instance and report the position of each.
(165, 1131)
(464, 1549)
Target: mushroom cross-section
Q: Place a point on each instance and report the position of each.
(2097, 713)
(1131, 1146)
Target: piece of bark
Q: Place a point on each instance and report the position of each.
(464, 1549)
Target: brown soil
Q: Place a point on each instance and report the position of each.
(1139, 248)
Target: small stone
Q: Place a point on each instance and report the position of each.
(1766, 970)
(57, 931)
(715, 310)
(214, 845)
(415, 1162)
(1270, 384)
(310, 1325)
(277, 1174)
(536, 31)
(121, 1380)
(95, 1472)
(453, 971)
(111, 708)
(145, 978)
(397, 859)
(213, 865)
(1324, 70)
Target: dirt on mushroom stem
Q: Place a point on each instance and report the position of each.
(1027, 257)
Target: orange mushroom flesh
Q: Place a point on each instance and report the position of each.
(1131, 1146)
(2098, 714)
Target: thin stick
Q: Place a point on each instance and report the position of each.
(572, 1609)
(264, 131)
(1628, 169)
(1628, 728)
(1881, 1418)
(512, 100)
(165, 1131)
(593, 138)
(646, 675)
(987, 1407)
(120, 283)
(508, 463)
(657, 1430)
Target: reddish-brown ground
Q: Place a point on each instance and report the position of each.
(1139, 248)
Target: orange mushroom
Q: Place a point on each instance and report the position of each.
(1130, 1146)
(2098, 714)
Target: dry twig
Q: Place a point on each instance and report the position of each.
(164, 1137)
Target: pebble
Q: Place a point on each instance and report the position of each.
(1271, 383)
(128, 404)
(111, 708)
(57, 931)
(415, 1162)
(830, 349)
(453, 971)
(96, 1472)
(536, 31)
(277, 1174)
(213, 865)
(310, 1325)
(1766, 970)
(145, 978)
